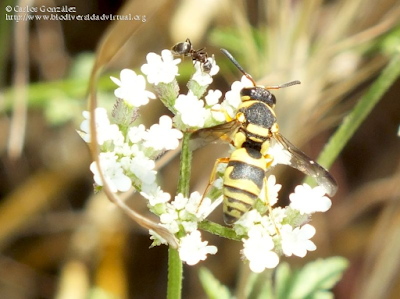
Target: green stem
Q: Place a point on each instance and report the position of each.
(174, 261)
(185, 167)
(174, 274)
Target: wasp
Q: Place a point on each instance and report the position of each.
(186, 49)
(251, 132)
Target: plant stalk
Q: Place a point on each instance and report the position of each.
(174, 262)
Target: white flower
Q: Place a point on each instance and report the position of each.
(272, 191)
(101, 119)
(218, 114)
(214, 67)
(309, 200)
(105, 130)
(232, 97)
(189, 226)
(137, 134)
(213, 97)
(170, 222)
(179, 202)
(170, 219)
(278, 215)
(155, 195)
(203, 78)
(124, 150)
(258, 250)
(296, 241)
(161, 68)
(181, 213)
(142, 167)
(280, 154)
(192, 204)
(192, 207)
(273, 222)
(221, 168)
(207, 207)
(170, 216)
(113, 173)
(219, 182)
(163, 136)
(125, 162)
(248, 221)
(191, 109)
(157, 239)
(192, 250)
(132, 88)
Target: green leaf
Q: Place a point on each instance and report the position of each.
(283, 278)
(267, 288)
(219, 230)
(323, 295)
(212, 286)
(317, 277)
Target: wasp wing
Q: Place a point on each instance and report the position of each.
(308, 166)
(223, 132)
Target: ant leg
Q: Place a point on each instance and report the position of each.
(202, 51)
(211, 180)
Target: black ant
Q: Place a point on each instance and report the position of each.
(186, 49)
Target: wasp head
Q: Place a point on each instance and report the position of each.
(258, 93)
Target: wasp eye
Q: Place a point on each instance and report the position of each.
(273, 99)
(249, 92)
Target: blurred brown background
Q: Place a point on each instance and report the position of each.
(59, 240)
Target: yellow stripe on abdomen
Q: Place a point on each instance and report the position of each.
(243, 180)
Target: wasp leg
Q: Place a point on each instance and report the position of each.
(228, 118)
(211, 180)
(269, 160)
(271, 216)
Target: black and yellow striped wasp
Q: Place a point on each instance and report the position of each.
(251, 132)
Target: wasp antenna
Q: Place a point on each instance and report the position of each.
(234, 61)
(284, 85)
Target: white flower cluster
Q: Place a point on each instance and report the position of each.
(284, 230)
(128, 159)
(181, 217)
(128, 151)
(194, 113)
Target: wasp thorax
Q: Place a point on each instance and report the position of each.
(258, 93)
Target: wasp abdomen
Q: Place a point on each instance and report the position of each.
(243, 180)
